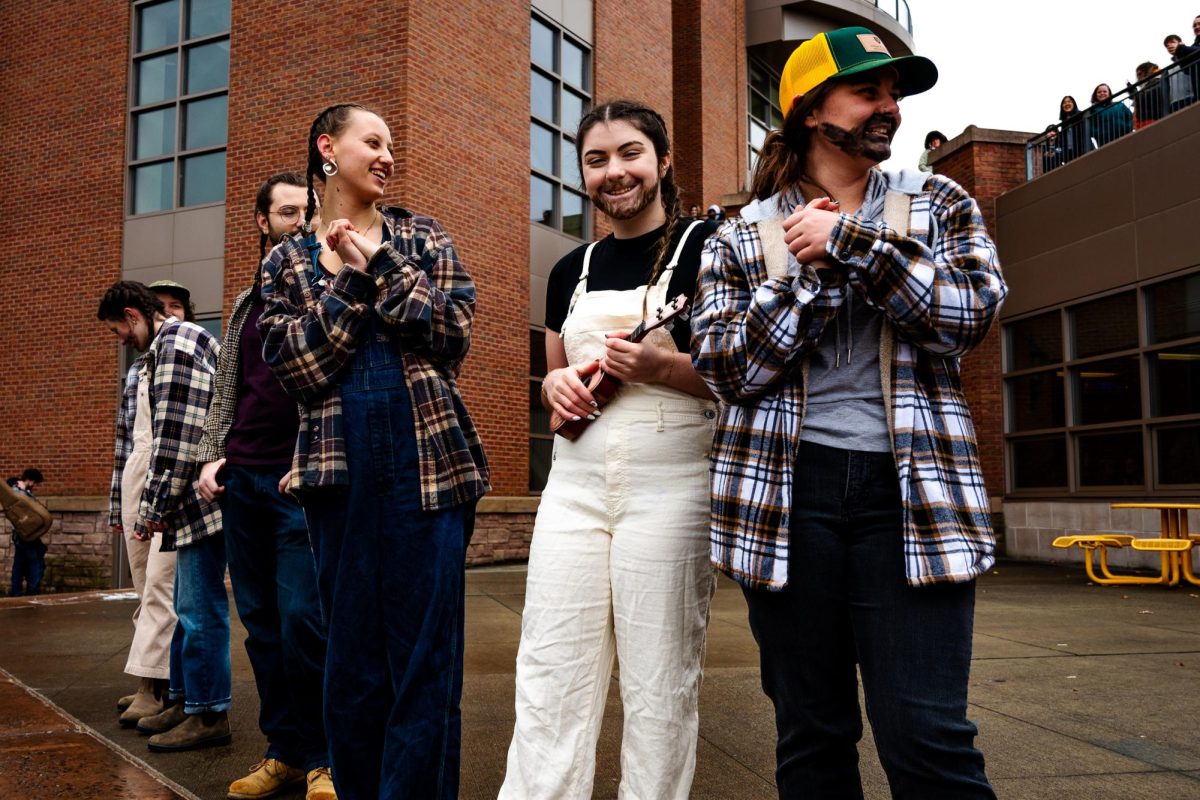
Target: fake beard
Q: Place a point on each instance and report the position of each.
(856, 142)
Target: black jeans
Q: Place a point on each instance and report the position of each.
(847, 602)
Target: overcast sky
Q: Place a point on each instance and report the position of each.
(1007, 63)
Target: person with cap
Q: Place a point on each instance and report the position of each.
(246, 454)
(176, 298)
(847, 498)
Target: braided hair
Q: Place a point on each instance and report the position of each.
(262, 201)
(652, 125)
(331, 121)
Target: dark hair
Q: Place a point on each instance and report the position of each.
(262, 200)
(781, 161)
(129, 294)
(1106, 86)
(1147, 67)
(33, 474)
(1172, 38)
(189, 308)
(12, 480)
(331, 121)
(650, 123)
(929, 137)
(1064, 114)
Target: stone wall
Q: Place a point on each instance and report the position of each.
(503, 530)
(80, 547)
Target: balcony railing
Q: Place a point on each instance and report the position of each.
(1131, 109)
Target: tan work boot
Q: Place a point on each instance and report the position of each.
(320, 785)
(147, 701)
(125, 702)
(170, 716)
(209, 729)
(266, 779)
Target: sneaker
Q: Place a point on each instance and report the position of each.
(208, 729)
(266, 779)
(171, 716)
(320, 785)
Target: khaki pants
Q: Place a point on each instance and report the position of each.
(153, 570)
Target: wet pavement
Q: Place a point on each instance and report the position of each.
(1079, 691)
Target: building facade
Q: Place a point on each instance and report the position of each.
(146, 129)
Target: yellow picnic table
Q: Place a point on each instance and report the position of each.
(1174, 546)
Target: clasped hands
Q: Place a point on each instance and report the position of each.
(633, 362)
(354, 249)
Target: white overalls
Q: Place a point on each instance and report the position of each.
(619, 565)
(153, 570)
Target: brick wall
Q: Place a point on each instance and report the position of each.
(63, 114)
(987, 164)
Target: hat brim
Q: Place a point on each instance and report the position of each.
(917, 73)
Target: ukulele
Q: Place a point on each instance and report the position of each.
(602, 385)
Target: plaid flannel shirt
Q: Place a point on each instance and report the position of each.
(420, 289)
(181, 360)
(752, 336)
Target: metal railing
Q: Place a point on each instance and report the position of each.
(1131, 109)
(896, 5)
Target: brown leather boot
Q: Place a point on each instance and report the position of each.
(208, 729)
(147, 701)
(320, 785)
(267, 778)
(168, 718)
(125, 702)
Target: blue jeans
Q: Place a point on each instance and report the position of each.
(29, 564)
(275, 586)
(847, 601)
(391, 582)
(200, 672)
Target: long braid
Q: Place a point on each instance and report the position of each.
(262, 247)
(669, 194)
(330, 122)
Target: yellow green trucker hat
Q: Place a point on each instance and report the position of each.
(848, 51)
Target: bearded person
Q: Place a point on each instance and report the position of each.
(847, 498)
(618, 565)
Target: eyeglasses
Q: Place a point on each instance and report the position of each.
(289, 214)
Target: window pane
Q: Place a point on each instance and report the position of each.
(156, 78)
(541, 201)
(574, 208)
(154, 133)
(158, 25)
(758, 135)
(207, 67)
(541, 96)
(1110, 459)
(203, 179)
(1036, 401)
(206, 122)
(152, 186)
(1174, 309)
(760, 109)
(1175, 381)
(206, 17)
(541, 148)
(1039, 463)
(541, 37)
(1176, 450)
(1035, 342)
(539, 417)
(1108, 391)
(1105, 326)
(776, 118)
(572, 110)
(569, 164)
(541, 453)
(213, 326)
(759, 78)
(537, 353)
(574, 64)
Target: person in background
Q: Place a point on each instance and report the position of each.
(1184, 82)
(29, 558)
(1052, 152)
(176, 298)
(715, 212)
(933, 140)
(1148, 101)
(1070, 128)
(694, 212)
(1109, 120)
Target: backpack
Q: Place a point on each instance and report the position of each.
(29, 518)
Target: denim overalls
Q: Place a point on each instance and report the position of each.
(391, 581)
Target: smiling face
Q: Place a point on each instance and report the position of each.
(621, 170)
(858, 117)
(1067, 105)
(363, 153)
(1196, 26)
(1102, 93)
(286, 212)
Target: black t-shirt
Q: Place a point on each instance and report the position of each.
(624, 264)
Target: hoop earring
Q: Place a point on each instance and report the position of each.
(330, 168)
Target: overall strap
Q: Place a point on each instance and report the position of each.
(896, 208)
(774, 248)
(581, 286)
(665, 278)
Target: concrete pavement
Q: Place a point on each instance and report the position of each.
(1079, 691)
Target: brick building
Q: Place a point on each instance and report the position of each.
(148, 125)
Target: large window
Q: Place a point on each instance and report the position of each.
(763, 111)
(179, 93)
(541, 440)
(1102, 396)
(560, 92)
